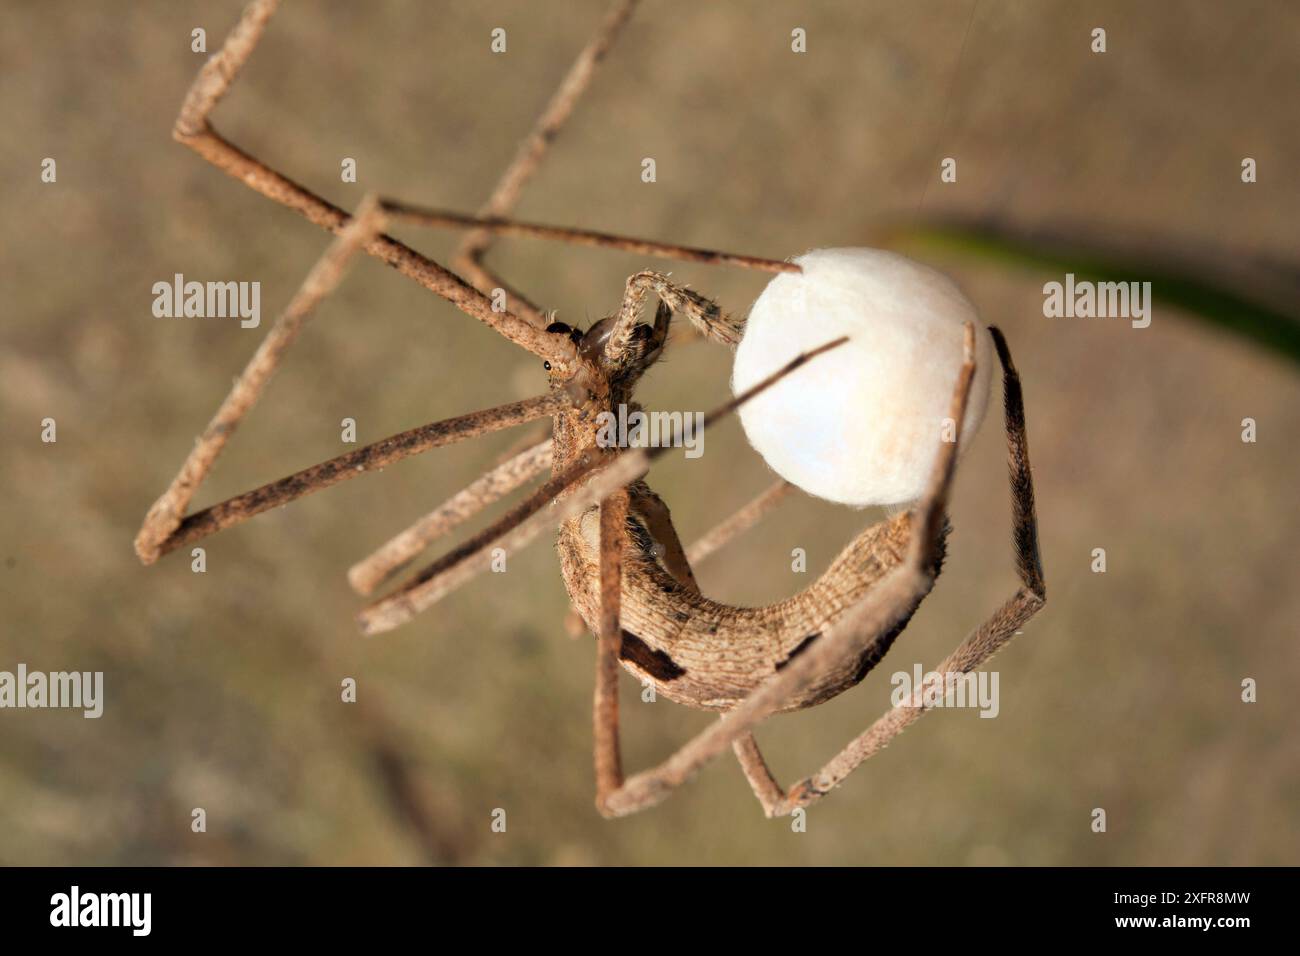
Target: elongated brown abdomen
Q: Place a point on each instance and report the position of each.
(710, 655)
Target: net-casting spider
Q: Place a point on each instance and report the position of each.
(627, 574)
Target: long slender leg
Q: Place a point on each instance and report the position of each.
(745, 746)
(982, 644)
(867, 624)
(469, 257)
(501, 226)
(379, 455)
(608, 760)
(575, 489)
(739, 522)
(166, 513)
(757, 772)
(659, 523)
(366, 575)
(986, 640)
(193, 129)
(492, 220)
(587, 482)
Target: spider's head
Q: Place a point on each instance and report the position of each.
(593, 371)
(566, 330)
(567, 371)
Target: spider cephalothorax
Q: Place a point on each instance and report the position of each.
(626, 572)
(599, 371)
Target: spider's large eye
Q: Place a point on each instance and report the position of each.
(563, 328)
(547, 366)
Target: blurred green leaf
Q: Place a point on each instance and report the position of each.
(1256, 299)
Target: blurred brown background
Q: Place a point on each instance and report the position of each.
(1123, 694)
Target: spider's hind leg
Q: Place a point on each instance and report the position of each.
(982, 643)
(873, 620)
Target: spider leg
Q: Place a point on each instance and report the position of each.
(499, 225)
(678, 560)
(870, 624)
(651, 510)
(367, 575)
(474, 246)
(983, 642)
(757, 772)
(741, 521)
(563, 496)
(607, 756)
(704, 314)
(492, 219)
(193, 129)
(166, 513)
(375, 456)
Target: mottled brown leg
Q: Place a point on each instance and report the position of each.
(193, 129)
(608, 760)
(757, 772)
(166, 514)
(345, 467)
(469, 258)
(499, 225)
(576, 489)
(365, 576)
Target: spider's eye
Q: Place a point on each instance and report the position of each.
(547, 366)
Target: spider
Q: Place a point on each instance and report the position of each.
(627, 574)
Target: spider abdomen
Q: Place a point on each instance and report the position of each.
(708, 655)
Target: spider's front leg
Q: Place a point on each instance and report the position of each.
(704, 314)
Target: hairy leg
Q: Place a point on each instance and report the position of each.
(704, 314)
(501, 226)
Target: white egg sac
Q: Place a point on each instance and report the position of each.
(861, 424)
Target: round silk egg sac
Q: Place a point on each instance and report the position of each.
(861, 424)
